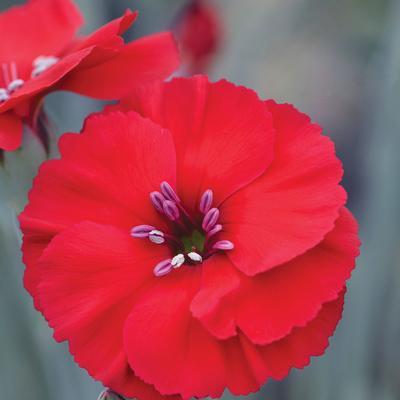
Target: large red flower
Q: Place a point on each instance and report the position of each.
(196, 245)
(40, 52)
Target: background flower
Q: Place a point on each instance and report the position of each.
(198, 29)
(267, 290)
(48, 55)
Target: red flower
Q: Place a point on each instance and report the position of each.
(198, 246)
(198, 30)
(40, 52)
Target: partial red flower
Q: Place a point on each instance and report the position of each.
(198, 244)
(198, 29)
(40, 52)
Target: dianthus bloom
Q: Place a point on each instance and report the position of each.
(198, 244)
(40, 52)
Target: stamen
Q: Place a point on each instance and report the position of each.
(42, 60)
(217, 228)
(168, 192)
(223, 245)
(178, 261)
(195, 257)
(210, 219)
(194, 242)
(15, 84)
(6, 76)
(206, 201)
(141, 231)
(157, 199)
(14, 73)
(171, 210)
(156, 236)
(42, 63)
(163, 268)
(4, 96)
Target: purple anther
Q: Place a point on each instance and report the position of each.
(210, 219)
(168, 192)
(223, 245)
(206, 201)
(157, 199)
(141, 231)
(217, 228)
(171, 210)
(156, 236)
(163, 268)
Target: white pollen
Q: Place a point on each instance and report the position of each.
(195, 257)
(156, 236)
(4, 96)
(42, 63)
(178, 260)
(15, 84)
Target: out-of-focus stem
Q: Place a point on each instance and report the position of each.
(109, 394)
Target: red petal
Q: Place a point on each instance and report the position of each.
(293, 205)
(148, 59)
(40, 27)
(108, 34)
(168, 348)
(89, 275)
(219, 278)
(269, 305)
(223, 133)
(10, 131)
(91, 183)
(295, 350)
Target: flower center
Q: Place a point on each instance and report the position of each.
(13, 82)
(191, 238)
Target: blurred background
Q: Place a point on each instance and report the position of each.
(338, 61)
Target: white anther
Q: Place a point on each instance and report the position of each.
(178, 260)
(197, 258)
(44, 60)
(41, 63)
(4, 96)
(38, 70)
(156, 236)
(15, 84)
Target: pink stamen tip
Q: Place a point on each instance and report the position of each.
(210, 219)
(206, 201)
(163, 268)
(168, 192)
(217, 228)
(157, 199)
(223, 245)
(141, 231)
(171, 210)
